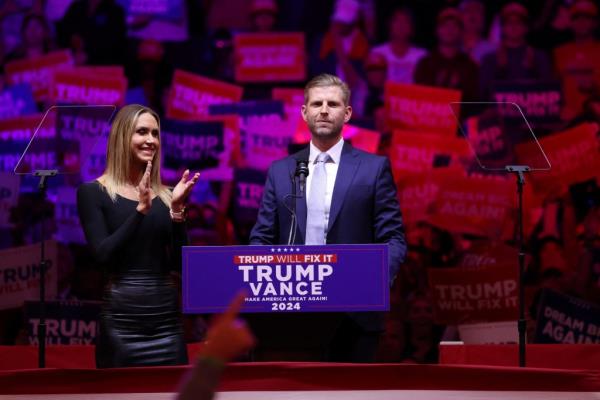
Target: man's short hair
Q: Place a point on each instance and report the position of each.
(324, 80)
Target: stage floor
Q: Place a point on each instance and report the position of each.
(332, 395)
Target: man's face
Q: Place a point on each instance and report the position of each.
(474, 17)
(449, 32)
(583, 25)
(514, 28)
(400, 27)
(325, 112)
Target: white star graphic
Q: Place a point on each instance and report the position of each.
(286, 250)
(272, 250)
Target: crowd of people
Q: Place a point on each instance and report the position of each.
(467, 45)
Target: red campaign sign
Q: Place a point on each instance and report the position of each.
(23, 128)
(573, 156)
(104, 70)
(289, 96)
(269, 57)
(420, 108)
(191, 95)
(83, 87)
(474, 205)
(418, 152)
(418, 191)
(37, 71)
(361, 138)
(293, 99)
(471, 295)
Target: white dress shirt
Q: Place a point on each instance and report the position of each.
(331, 169)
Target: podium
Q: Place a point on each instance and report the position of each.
(296, 295)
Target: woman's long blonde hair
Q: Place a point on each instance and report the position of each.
(119, 158)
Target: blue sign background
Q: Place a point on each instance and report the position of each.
(359, 280)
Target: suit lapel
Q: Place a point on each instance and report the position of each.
(300, 202)
(348, 164)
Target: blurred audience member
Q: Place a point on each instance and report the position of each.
(376, 68)
(227, 338)
(552, 25)
(36, 39)
(422, 336)
(578, 62)
(96, 27)
(263, 15)
(400, 54)
(474, 42)
(343, 50)
(448, 66)
(515, 59)
(12, 13)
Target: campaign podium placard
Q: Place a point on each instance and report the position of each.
(286, 278)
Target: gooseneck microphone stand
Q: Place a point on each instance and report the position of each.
(301, 173)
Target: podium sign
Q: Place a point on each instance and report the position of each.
(287, 278)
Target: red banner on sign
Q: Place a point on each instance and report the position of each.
(22, 128)
(468, 295)
(269, 57)
(573, 156)
(419, 152)
(37, 71)
(474, 205)
(421, 108)
(104, 70)
(191, 95)
(85, 87)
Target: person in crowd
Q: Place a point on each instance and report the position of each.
(36, 38)
(474, 42)
(227, 338)
(577, 62)
(551, 26)
(343, 49)
(136, 226)
(376, 67)
(351, 198)
(400, 54)
(263, 15)
(97, 29)
(448, 66)
(515, 59)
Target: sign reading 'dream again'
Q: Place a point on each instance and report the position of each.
(269, 57)
(420, 108)
(287, 278)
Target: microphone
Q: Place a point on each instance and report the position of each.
(302, 173)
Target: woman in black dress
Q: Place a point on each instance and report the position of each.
(135, 226)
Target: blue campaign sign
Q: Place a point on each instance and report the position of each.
(17, 100)
(286, 278)
(161, 9)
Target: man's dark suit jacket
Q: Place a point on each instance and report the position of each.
(364, 209)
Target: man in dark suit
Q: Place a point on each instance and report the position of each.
(350, 198)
